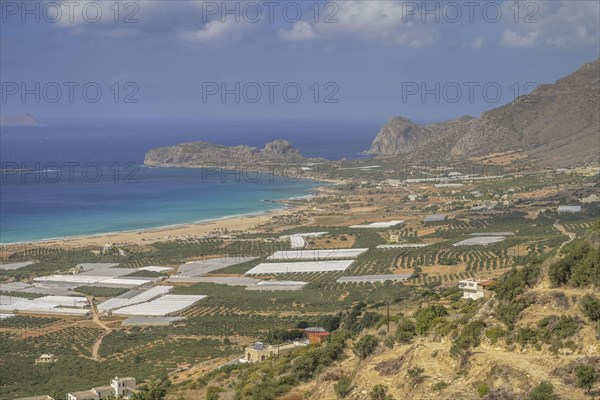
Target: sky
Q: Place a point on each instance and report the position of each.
(179, 59)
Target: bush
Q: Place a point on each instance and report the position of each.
(439, 386)
(514, 282)
(406, 330)
(590, 305)
(426, 316)
(365, 346)
(580, 266)
(586, 377)
(469, 337)
(483, 389)
(379, 392)
(343, 386)
(389, 342)
(495, 333)
(543, 391)
(509, 312)
(416, 375)
(212, 392)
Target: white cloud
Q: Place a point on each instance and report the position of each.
(214, 30)
(554, 23)
(301, 30)
(381, 21)
(513, 39)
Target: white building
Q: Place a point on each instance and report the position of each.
(119, 388)
(569, 209)
(473, 289)
(46, 359)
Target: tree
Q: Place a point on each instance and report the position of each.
(343, 386)
(365, 346)
(543, 391)
(304, 366)
(586, 376)
(426, 316)
(379, 392)
(406, 330)
(154, 390)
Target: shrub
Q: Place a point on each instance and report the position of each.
(212, 392)
(379, 392)
(389, 342)
(406, 330)
(343, 386)
(416, 375)
(509, 312)
(586, 376)
(495, 333)
(580, 266)
(439, 386)
(543, 391)
(483, 389)
(590, 305)
(365, 346)
(514, 282)
(426, 316)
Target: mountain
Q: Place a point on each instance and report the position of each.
(197, 154)
(18, 120)
(558, 122)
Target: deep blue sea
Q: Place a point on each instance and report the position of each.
(90, 178)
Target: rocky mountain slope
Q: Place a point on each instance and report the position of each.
(558, 122)
(198, 154)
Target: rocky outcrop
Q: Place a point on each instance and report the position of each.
(559, 122)
(198, 154)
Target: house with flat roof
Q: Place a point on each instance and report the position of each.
(118, 388)
(260, 352)
(473, 289)
(123, 387)
(83, 395)
(46, 359)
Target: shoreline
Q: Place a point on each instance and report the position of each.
(229, 224)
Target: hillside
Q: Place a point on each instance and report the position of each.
(534, 337)
(558, 122)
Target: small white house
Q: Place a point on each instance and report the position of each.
(119, 388)
(46, 359)
(472, 289)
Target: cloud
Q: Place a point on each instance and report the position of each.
(301, 30)
(554, 23)
(386, 22)
(513, 39)
(214, 30)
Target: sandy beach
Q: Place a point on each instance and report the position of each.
(225, 226)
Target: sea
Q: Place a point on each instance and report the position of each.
(74, 178)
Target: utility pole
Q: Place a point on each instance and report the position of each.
(388, 316)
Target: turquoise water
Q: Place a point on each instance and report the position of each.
(44, 206)
(60, 202)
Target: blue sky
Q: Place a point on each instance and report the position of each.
(352, 60)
